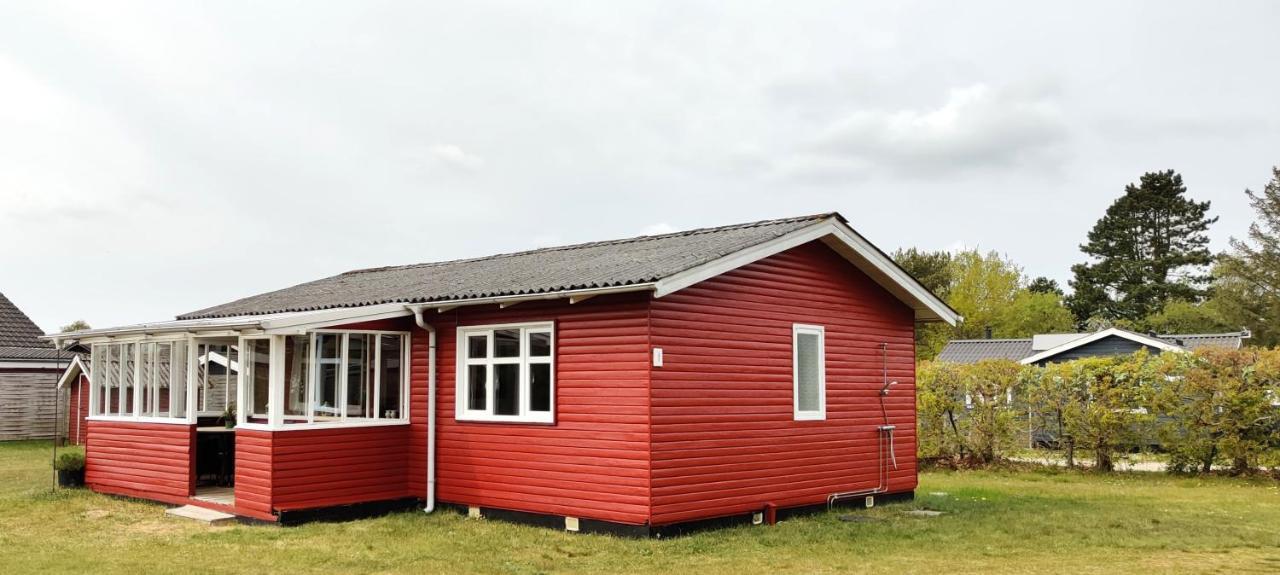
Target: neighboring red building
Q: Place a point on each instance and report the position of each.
(636, 386)
(75, 381)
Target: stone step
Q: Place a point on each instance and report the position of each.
(201, 514)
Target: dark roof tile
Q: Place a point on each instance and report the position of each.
(612, 263)
(18, 332)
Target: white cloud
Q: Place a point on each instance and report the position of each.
(658, 229)
(453, 156)
(976, 127)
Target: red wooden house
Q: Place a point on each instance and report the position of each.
(634, 386)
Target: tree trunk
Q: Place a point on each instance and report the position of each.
(1239, 465)
(1208, 461)
(1103, 459)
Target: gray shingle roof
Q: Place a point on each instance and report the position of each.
(16, 329)
(974, 350)
(1194, 341)
(605, 264)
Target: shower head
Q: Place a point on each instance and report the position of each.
(885, 390)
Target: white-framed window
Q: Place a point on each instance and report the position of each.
(809, 371)
(326, 378)
(506, 373)
(139, 380)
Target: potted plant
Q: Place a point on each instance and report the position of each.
(229, 416)
(70, 468)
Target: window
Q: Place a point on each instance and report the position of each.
(357, 377)
(257, 377)
(506, 373)
(809, 376)
(217, 368)
(297, 374)
(142, 380)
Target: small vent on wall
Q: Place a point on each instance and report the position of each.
(570, 523)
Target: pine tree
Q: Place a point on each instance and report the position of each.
(1247, 285)
(1150, 247)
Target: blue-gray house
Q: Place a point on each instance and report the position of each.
(1058, 347)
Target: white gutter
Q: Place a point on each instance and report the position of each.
(431, 406)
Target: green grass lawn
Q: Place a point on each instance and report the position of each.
(1051, 521)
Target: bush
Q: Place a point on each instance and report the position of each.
(69, 461)
(1217, 408)
(964, 411)
(1212, 407)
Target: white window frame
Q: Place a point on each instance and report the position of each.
(820, 413)
(244, 375)
(276, 416)
(202, 393)
(524, 360)
(135, 346)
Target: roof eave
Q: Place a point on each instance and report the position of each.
(837, 234)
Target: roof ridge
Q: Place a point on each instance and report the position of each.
(598, 243)
(989, 340)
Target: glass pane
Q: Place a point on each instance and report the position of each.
(327, 367)
(506, 343)
(477, 346)
(540, 387)
(359, 375)
(476, 399)
(807, 371)
(506, 389)
(178, 380)
(164, 371)
(327, 390)
(390, 378)
(540, 344)
(297, 369)
(97, 364)
(111, 383)
(128, 361)
(231, 378)
(258, 362)
(146, 383)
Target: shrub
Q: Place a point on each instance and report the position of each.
(69, 461)
(1218, 408)
(964, 411)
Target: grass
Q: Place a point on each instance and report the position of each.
(1014, 521)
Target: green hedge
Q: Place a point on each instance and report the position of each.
(1213, 407)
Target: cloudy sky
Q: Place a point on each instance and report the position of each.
(157, 158)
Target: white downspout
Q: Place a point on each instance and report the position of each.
(431, 408)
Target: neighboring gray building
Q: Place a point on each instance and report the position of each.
(29, 372)
(1057, 347)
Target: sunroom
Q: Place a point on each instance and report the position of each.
(170, 401)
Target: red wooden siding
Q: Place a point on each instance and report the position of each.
(254, 473)
(724, 436)
(593, 462)
(328, 467)
(151, 461)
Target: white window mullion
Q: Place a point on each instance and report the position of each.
(523, 374)
(340, 397)
(405, 387)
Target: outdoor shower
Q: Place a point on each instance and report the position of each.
(884, 439)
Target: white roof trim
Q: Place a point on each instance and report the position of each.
(1134, 337)
(845, 241)
(76, 368)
